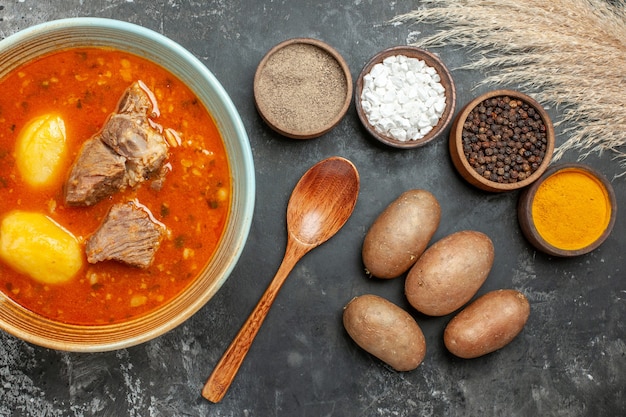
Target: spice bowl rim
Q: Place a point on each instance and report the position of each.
(34, 41)
(526, 222)
(258, 96)
(447, 81)
(467, 171)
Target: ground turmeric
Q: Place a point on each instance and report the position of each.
(571, 209)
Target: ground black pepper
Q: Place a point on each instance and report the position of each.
(301, 89)
(504, 139)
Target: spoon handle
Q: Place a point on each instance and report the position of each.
(226, 369)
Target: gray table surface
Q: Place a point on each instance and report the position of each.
(569, 361)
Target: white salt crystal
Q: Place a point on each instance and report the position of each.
(372, 97)
(368, 82)
(416, 65)
(397, 81)
(423, 121)
(410, 77)
(401, 122)
(410, 108)
(412, 133)
(390, 60)
(423, 78)
(377, 70)
(384, 124)
(398, 134)
(380, 80)
(426, 130)
(403, 98)
(422, 94)
(390, 96)
(380, 91)
(440, 105)
(440, 89)
(387, 110)
(373, 115)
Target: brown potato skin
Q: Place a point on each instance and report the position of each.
(487, 324)
(449, 273)
(386, 331)
(400, 234)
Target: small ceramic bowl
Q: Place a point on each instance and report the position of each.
(446, 81)
(570, 234)
(474, 177)
(302, 88)
(48, 37)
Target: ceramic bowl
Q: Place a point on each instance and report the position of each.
(447, 82)
(302, 88)
(557, 243)
(87, 32)
(457, 147)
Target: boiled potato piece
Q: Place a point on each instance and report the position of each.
(40, 149)
(449, 273)
(386, 331)
(400, 234)
(35, 245)
(487, 324)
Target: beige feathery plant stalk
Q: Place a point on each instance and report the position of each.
(568, 53)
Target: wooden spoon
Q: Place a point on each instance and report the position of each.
(319, 206)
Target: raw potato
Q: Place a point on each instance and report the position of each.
(400, 234)
(487, 324)
(34, 245)
(386, 331)
(40, 149)
(449, 273)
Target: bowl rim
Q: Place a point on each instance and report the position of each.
(431, 60)
(193, 70)
(526, 222)
(467, 171)
(290, 133)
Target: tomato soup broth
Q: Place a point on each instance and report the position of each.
(83, 87)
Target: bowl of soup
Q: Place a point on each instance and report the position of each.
(127, 188)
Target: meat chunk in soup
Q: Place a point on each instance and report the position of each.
(131, 137)
(142, 147)
(131, 134)
(97, 171)
(129, 234)
(138, 99)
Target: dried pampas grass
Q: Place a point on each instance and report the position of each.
(568, 53)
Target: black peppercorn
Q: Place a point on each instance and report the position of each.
(504, 139)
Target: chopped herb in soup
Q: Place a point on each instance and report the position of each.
(114, 187)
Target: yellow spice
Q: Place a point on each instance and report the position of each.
(571, 209)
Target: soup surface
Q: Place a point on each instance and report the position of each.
(83, 87)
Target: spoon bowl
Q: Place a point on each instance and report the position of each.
(320, 204)
(316, 209)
